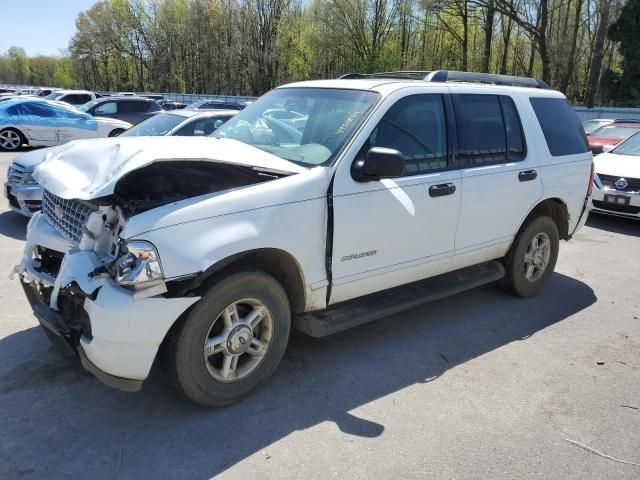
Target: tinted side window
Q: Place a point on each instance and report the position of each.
(35, 109)
(416, 126)
(129, 106)
(152, 107)
(82, 99)
(106, 108)
(513, 128)
(562, 129)
(481, 131)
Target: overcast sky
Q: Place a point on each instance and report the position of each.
(39, 26)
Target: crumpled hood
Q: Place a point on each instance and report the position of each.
(87, 169)
(31, 159)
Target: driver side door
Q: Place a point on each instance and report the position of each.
(396, 231)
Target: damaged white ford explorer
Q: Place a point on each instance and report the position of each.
(391, 190)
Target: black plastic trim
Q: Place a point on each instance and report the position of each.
(119, 383)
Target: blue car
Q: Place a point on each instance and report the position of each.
(45, 123)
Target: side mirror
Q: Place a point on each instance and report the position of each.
(378, 163)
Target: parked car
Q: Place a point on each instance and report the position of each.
(27, 91)
(290, 117)
(617, 180)
(153, 96)
(593, 124)
(171, 105)
(24, 193)
(185, 123)
(210, 250)
(39, 123)
(72, 97)
(43, 92)
(7, 90)
(130, 109)
(214, 105)
(605, 138)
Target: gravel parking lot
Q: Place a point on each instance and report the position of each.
(480, 385)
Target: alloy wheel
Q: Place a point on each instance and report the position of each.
(238, 339)
(10, 140)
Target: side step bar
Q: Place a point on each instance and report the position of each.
(382, 304)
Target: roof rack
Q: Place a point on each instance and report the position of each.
(454, 76)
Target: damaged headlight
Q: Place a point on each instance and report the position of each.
(139, 265)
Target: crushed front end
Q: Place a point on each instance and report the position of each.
(94, 294)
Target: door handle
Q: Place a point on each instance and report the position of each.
(527, 175)
(442, 189)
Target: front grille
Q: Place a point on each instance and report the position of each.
(612, 207)
(609, 181)
(67, 216)
(17, 173)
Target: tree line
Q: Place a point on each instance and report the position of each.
(588, 49)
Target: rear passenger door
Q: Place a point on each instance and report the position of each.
(501, 181)
(395, 231)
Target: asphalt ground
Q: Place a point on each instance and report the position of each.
(479, 385)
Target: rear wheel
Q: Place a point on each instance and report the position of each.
(10, 139)
(232, 340)
(532, 258)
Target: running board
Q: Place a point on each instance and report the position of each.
(352, 313)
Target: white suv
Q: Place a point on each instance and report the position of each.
(207, 251)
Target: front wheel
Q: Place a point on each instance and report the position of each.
(532, 258)
(232, 340)
(10, 140)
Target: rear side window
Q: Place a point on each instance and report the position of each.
(153, 107)
(489, 130)
(133, 106)
(513, 130)
(562, 129)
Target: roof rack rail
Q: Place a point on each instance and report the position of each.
(454, 76)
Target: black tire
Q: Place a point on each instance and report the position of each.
(116, 132)
(515, 280)
(23, 140)
(184, 349)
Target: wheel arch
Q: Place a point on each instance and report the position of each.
(24, 136)
(555, 208)
(278, 263)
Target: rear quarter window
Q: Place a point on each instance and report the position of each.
(561, 127)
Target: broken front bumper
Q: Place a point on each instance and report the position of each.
(116, 334)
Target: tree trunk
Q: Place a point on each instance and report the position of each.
(506, 39)
(564, 81)
(598, 54)
(542, 41)
(488, 37)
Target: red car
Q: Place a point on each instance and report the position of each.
(610, 135)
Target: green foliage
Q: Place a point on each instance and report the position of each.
(626, 87)
(251, 46)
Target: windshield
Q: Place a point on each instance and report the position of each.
(592, 125)
(327, 119)
(86, 106)
(54, 95)
(631, 146)
(155, 126)
(614, 131)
